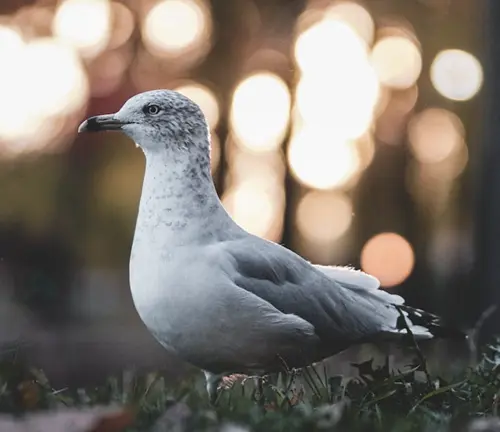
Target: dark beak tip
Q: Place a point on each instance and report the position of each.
(90, 125)
(83, 127)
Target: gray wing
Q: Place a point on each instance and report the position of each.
(344, 306)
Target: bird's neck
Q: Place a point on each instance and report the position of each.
(179, 204)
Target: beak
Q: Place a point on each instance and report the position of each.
(101, 123)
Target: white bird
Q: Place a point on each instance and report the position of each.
(218, 297)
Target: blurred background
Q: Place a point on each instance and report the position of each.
(355, 133)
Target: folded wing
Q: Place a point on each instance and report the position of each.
(345, 306)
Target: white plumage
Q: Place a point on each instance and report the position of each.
(217, 296)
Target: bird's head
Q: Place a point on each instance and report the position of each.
(155, 120)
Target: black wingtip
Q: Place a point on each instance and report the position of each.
(436, 326)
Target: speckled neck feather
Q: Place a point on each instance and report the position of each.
(178, 193)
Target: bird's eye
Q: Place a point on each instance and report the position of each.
(152, 109)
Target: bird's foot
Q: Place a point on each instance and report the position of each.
(229, 381)
(217, 383)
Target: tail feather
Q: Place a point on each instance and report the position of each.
(418, 318)
(422, 324)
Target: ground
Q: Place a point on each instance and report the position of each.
(375, 401)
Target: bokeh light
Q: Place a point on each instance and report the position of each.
(11, 42)
(60, 82)
(432, 183)
(84, 24)
(205, 98)
(260, 112)
(396, 26)
(258, 210)
(51, 77)
(456, 74)
(356, 16)
(397, 61)
(435, 134)
(323, 217)
(174, 26)
(338, 86)
(322, 163)
(327, 45)
(346, 102)
(389, 257)
(244, 164)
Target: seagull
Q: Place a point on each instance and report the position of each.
(218, 297)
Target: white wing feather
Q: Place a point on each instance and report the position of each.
(351, 278)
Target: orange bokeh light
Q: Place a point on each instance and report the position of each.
(389, 257)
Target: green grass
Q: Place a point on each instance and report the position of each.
(376, 401)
